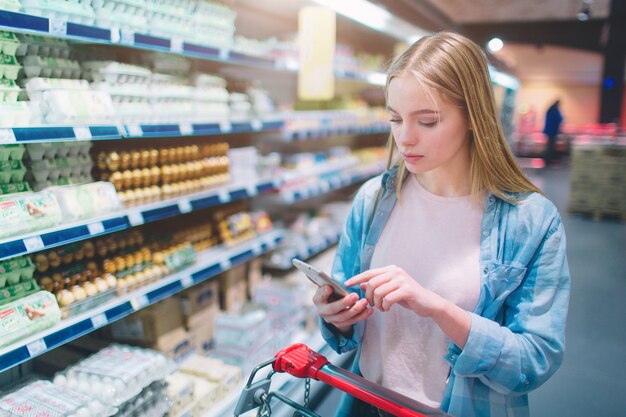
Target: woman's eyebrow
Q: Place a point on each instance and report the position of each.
(420, 111)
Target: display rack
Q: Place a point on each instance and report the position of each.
(207, 265)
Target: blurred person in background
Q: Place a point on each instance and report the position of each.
(554, 118)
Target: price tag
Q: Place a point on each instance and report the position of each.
(186, 282)
(251, 190)
(224, 196)
(277, 183)
(140, 302)
(324, 186)
(135, 218)
(225, 264)
(335, 182)
(256, 125)
(290, 197)
(176, 45)
(33, 243)
(82, 133)
(134, 130)
(127, 37)
(184, 206)
(226, 126)
(7, 136)
(186, 129)
(224, 53)
(95, 228)
(256, 248)
(36, 347)
(115, 34)
(99, 321)
(57, 27)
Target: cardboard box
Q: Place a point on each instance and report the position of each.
(176, 344)
(201, 329)
(200, 297)
(233, 288)
(147, 326)
(255, 275)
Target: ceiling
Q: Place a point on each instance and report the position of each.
(474, 11)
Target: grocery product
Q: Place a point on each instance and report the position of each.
(27, 212)
(87, 200)
(27, 316)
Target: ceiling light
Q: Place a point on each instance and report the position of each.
(495, 44)
(360, 10)
(585, 11)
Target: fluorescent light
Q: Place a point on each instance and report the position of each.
(495, 44)
(360, 10)
(377, 78)
(503, 79)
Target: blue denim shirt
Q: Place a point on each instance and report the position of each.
(517, 335)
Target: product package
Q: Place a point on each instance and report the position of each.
(27, 316)
(28, 213)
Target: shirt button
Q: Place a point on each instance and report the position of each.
(485, 270)
(485, 232)
(380, 213)
(491, 199)
(453, 358)
(369, 249)
(391, 181)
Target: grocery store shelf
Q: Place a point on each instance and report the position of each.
(315, 248)
(61, 28)
(131, 217)
(207, 265)
(305, 134)
(328, 182)
(281, 382)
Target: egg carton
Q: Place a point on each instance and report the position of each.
(117, 7)
(9, 91)
(8, 43)
(13, 152)
(14, 114)
(111, 72)
(209, 36)
(73, 11)
(125, 93)
(151, 402)
(116, 374)
(9, 67)
(11, 172)
(76, 107)
(48, 67)
(51, 150)
(136, 22)
(213, 10)
(10, 5)
(43, 46)
(212, 94)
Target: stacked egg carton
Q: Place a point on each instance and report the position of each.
(212, 24)
(62, 163)
(129, 14)
(10, 5)
(77, 11)
(12, 170)
(12, 112)
(52, 81)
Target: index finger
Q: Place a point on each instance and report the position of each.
(364, 276)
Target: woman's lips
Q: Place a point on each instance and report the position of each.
(411, 157)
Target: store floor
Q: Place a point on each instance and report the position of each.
(591, 380)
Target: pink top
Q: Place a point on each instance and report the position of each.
(436, 240)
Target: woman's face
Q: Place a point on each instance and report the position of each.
(430, 132)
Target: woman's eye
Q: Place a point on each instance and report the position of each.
(428, 123)
(395, 120)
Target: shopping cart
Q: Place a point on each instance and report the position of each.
(300, 361)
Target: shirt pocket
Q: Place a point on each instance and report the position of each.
(501, 280)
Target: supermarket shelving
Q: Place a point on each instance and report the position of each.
(64, 29)
(133, 216)
(207, 265)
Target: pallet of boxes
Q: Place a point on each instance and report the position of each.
(598, 180)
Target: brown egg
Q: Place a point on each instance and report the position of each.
(112, 245)
(109, 266)
(79, 254)
(138, 256)
(124, 160)
(74, 279)
(117, 180)
(158, 258)
(145, 158)
(154, 157)
(92, 266)
(138, 238)
(155, 175)
(101, 161)
(136, 178)
(166, 191)
(101, 249)
(140, 196)
(130, 261)
(122, 243)
(120, 263)
(146, 177)
(78, 292)
(54, 259)
(166, 174)
(89, 249)
(89, 288)
(101, 285)
(111, 280)
(147, 254)
(47, 283)
(127, 179)
(164, 156)
(42, 262)
(65, 298)
(135, 159)
(180, 154)
(113, 161)
(67, 258)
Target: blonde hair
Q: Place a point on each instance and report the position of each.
(456, 68)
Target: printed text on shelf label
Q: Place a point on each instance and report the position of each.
(36, 347)
(33, 243)
(99, 320)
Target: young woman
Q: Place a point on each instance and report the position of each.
(456, 260)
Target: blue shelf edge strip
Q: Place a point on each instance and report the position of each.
(64, 335)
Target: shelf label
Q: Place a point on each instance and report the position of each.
(256, 125)
(135, 218)
(33, 243)
(224, 196)
(36, 347)
(115, 34)
(99, 321)
(335, 182)
(140, 302)
(186, 129)
(7, 136)
(95, 228)
(226, 126)
(225, 264)
(324, 186)
(224, 53)
(186, 282)
(127, 37)
(256, 248)
(57, 27)
(251, 190)
(82, 133)
(134, 130)
(184, 206)
(176, 45)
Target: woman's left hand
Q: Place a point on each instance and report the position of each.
(391, 285)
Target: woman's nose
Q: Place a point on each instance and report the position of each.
(406, 136)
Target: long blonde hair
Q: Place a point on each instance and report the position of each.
(456, 67)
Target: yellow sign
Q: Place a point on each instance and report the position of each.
(317, 37)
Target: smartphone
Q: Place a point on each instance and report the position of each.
(320, 279)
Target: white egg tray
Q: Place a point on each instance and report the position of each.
(73, 11)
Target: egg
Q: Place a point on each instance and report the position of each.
(65, 298)
(42, 262)
(154, 157)
(54, 259)
(117, 180)
(101, 285)
(110, 280)
(79, 293)
(113, 161)
(89, 249)
(124, 160)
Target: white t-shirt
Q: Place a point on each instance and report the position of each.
(436, 240)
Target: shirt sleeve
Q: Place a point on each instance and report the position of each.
(347, 263)
(522, 354)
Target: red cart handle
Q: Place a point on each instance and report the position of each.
(300, 361)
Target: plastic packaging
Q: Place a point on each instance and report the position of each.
(14, 270)
(26, 316)
(88, 200)
(116, 374)
(28, 213)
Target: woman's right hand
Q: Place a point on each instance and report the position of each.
(342, 313)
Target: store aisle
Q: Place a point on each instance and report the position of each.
(591, 379)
